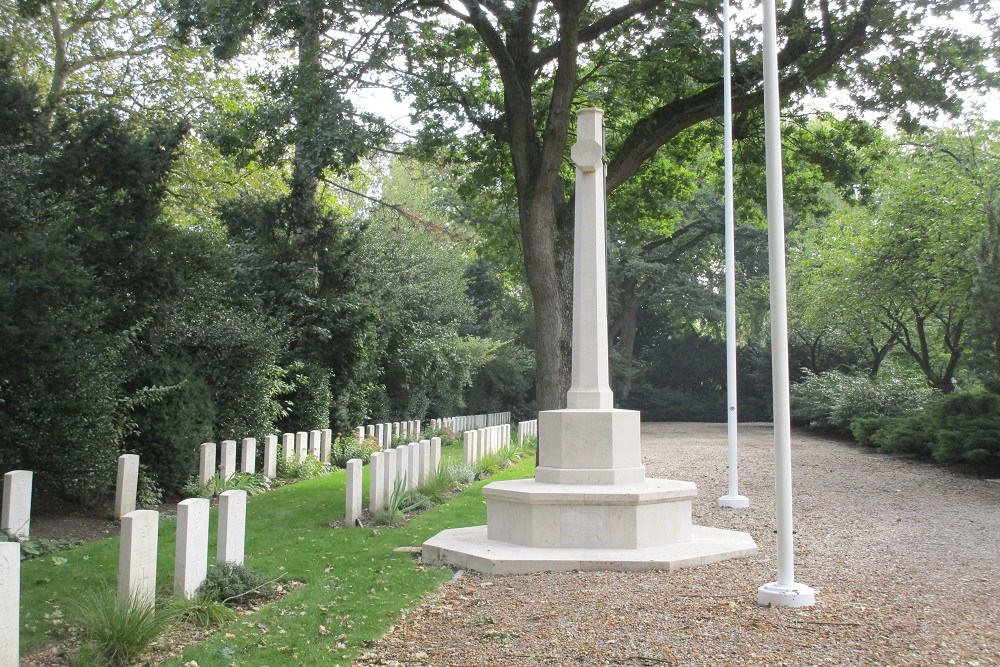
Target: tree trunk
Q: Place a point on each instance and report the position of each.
(305, 169)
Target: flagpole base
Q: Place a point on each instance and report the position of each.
(735, 502)
(791, 595)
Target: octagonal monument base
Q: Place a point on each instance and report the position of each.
(469, 548)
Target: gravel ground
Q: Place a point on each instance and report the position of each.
(904, 556)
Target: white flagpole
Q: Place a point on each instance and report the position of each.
(784, 592)
(733, 497)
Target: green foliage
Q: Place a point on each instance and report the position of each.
(230, 583)
(958, 428)
(292, 470)
(240, 481)
(504, 458)
(32, 548)
(835, 400)
(451, 478)
(201, 612)
(114, 633)
(148, 494)
(346, 448)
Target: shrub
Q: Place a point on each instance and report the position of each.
(230, 583)
(345, 449)
(241, 481)
(292, 470)
(963, 427)
(834, 400)
(36, 548)
(114, 632)
(201, 612)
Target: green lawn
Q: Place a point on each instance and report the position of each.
(356, 586)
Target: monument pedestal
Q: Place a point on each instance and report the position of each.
(589, 507)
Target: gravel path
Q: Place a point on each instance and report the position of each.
(905, 558)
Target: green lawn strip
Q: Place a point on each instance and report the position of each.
(357, 587)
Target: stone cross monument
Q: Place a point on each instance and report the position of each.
(590, 505)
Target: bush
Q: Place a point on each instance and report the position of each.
(229, 583)
(115, 633)
(241, 481)
(201, 612)
(834, 400)
(963, 427)
(292, 470)
(345, 449)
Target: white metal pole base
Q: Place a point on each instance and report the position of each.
(791, 595)
(735, 502)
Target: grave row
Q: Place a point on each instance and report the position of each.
(526, 429)
(405, 467)
(386, 432)
(137, 555)
(316, 444)
(484, 441)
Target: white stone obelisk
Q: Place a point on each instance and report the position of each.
(732, 498)
(785, 591)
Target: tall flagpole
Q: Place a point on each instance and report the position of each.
(784, 592)
(733, 497)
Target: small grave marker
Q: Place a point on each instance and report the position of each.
(227, 459)
(191, 552)
(16, 515)
(137, 557)
(10, 603)
(352, 510)
(127, 485)
(232, 527)
(270, 457)
(248, 460)
(206, 463)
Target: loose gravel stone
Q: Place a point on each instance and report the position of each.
(904, 557)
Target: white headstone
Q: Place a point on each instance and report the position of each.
(301, 445)
(435, 455)
(370, 431)
(326, 445)
(227, 462)
(127, 485)
(391, 475)
(232, 527)
(137, 557)
(248, 462)
(469, 447)
(416, 470)
(191, 551)
(376, 481)
(352, 510)
(380, 435)
(10, 603)
(359, 433)
(206, 463)
(16, 514)
(403, 465)
(270, 457)
(425, 460)
(288, 445)
(314, 441)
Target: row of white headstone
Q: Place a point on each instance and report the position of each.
(140, 536)
(482, 442)
(137, 556)
(526, 429)
(386, 432)
(316, 444)
(406, 467)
